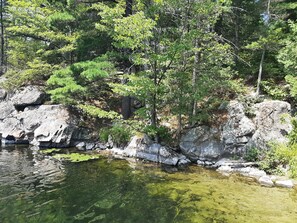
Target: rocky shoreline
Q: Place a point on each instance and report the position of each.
(25, 119)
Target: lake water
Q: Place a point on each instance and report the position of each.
(34, 188)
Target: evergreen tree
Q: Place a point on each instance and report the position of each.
(2, 38)
(47, 35)
(171, 33)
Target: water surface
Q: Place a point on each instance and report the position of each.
(34, 188)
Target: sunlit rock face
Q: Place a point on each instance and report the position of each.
(23, 119)
(144, 148)
(270, 123)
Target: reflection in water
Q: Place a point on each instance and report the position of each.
(38, 189)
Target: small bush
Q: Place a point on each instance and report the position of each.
(293, 134)
(119, 133)
(103, 134)
(162, 132)
(280, 156)
(293, 167)
(252, 155)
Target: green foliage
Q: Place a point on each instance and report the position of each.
(282, 155)
(119, 133)
(104, 134)
(177, 57)
(80, 83)
(279, 157)
(293, 134)
(287, 55)
(276, 91)
(252, 155)
(99, 113)
(292, 81)
(162, 132)
(140, 29)
(50, 35)
(272, 162)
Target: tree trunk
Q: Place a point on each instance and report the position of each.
(128, 10)
(263, 53)
(260, 73)
(194, 81)
(154, 98)
(236, 42)
(2, 61)
(126, 100)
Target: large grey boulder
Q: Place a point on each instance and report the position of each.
(272, 123)
(144, 148)
(238, 129)
(44, 125)
(201, 143)
(27, 96)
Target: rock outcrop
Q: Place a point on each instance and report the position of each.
(24, 120)
(271, 122)
(27, 96)
(238, 129)
(44, 125)
(202, 143)
(144, 148)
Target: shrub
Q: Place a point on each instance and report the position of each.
(293, 134)
(119, 133)
(252, 155)
(162, 132)
(280, 156)
(103, 134)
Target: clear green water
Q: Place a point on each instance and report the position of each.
(41, 190)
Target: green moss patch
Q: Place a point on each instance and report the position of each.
(76, 157)
(49, 151)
